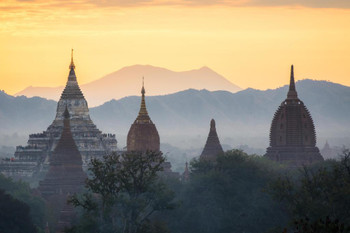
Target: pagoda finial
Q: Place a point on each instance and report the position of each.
(143, 114)
(292, 93)
(143, 87)
(212, 124)
(71, 66)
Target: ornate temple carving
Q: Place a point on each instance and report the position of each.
(292, 133)
(212, 147)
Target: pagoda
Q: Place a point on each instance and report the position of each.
(143, 135)
(90, 141)
(65, 176)
(292, 133)
(212, 147)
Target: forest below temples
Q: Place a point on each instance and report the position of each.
(237, 193)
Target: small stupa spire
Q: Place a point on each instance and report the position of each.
(292, 93)
(143, 114)
(71, 66)
(186, 174)
(47, 229)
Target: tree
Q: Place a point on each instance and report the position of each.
(124, 191)
(14, 215)
(227, 196)
(318, 192)
(22, 192)
(320, 226)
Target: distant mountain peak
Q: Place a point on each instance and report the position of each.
(127, 82)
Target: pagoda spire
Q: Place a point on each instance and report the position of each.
(71, 66)
(292, 93)
(72, 76)
(143, 114)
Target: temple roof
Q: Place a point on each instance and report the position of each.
(292, 132)
(72, 89)
(212, 147)
(143, 116)
(143, 135)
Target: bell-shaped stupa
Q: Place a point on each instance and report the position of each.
(292, 133)
(143, 135)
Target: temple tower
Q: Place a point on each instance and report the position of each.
(212, 147)
(143, 135)
(292, 133)
(65, 176)
(90, 141)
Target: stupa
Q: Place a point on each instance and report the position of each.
(212, 147)
(292, 133)
(65, 176)
(90, 141)
(143, 135)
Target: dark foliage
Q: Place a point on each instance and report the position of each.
(320, 226)
(123, 193)
(227, 196)
(318, 192)
(14, 215)
(22, 192)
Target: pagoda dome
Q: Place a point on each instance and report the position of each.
(292, 132)
(143, 135)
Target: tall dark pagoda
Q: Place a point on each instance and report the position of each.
(143, 135)
(292, 133)
(212, 147)
(65, 176)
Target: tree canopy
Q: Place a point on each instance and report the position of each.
(228, 196)
(123, 192)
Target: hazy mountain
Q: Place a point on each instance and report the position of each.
(183, 118)
(127, 81)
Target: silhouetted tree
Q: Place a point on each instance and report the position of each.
(318, 192)
(124, 191)
(14, 215)
(227, 196)
(22, 191)
(320, 226)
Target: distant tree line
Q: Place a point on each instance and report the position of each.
(236, 193)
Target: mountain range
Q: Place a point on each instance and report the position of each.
(128, 80)
(182, 118)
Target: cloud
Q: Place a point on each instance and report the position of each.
(81, 4)
(306, 3)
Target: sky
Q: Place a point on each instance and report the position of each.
(250, 42)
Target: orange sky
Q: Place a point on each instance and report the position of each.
(250, 42)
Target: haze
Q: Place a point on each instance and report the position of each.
(251, 43)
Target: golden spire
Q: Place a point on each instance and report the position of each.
(72, 66)
(143, 114)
